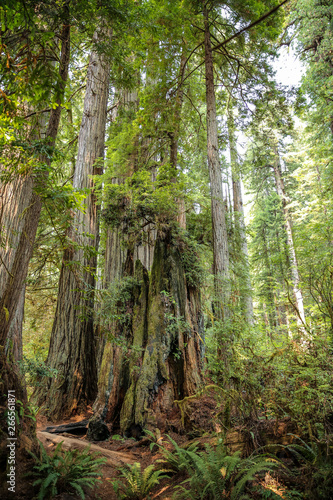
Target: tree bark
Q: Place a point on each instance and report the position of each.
(157, 356)
(290, 241)
(174, 136)
(14, 348)
(220, 239)
(72, 349)
(20, 208)
(246, 297)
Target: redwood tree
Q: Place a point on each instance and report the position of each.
(72, 349)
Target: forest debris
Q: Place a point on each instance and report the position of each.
(114, 458)
(135, 444)
(78, 428)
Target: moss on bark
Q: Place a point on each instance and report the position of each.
(162, 360)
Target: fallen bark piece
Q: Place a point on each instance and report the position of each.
(77, 428)
(114, 458)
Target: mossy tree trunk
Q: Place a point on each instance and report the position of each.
(158, 356)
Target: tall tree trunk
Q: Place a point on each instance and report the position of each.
(246, 297)
(290, 241)
(19, 214)
(20, 208)
(220, 239)
(72, 349)
(271, 309)
(174, 136)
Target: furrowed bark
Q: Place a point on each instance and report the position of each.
(220, 239)
(72, 349)
(157, 356)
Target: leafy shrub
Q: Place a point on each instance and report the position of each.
(35, 369)
(137, 483)
(66, 471)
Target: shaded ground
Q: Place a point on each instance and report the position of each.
(200, 419)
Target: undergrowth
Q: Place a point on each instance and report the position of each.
(66, 471)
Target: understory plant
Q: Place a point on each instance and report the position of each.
(215, 475)
(66, 471)
(315, 467)
(176, 459)
(136, 484)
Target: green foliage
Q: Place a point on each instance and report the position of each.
(137, 483)
(178, 458)
(215, 475)
(195, 271)
(116, 302)
(35, 369)
(66, 471)
(263, 381)
(140, 200)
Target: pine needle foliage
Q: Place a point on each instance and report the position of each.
(137, 483)
(66, 471)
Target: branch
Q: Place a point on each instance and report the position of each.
(262, 18)
(37, 113)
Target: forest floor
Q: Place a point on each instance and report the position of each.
(104, 491)
(203, 422)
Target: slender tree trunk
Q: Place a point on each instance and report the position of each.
(290, 241)
(271, 309)
(220, 239)
(72, 345)
(246, 297)
(174, 136)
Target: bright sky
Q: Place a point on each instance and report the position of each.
(289, 69)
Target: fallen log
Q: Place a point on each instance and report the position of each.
(114, 458)
(77, 428)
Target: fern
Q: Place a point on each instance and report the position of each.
(137, 483)
(179, 458)
(65, 471)
(214, 475)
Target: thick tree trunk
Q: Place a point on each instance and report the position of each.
(246, 297)
(157, 356)
(290, 241)
(220, 239)
(72, 346)
(20, 208)
(14, 340)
